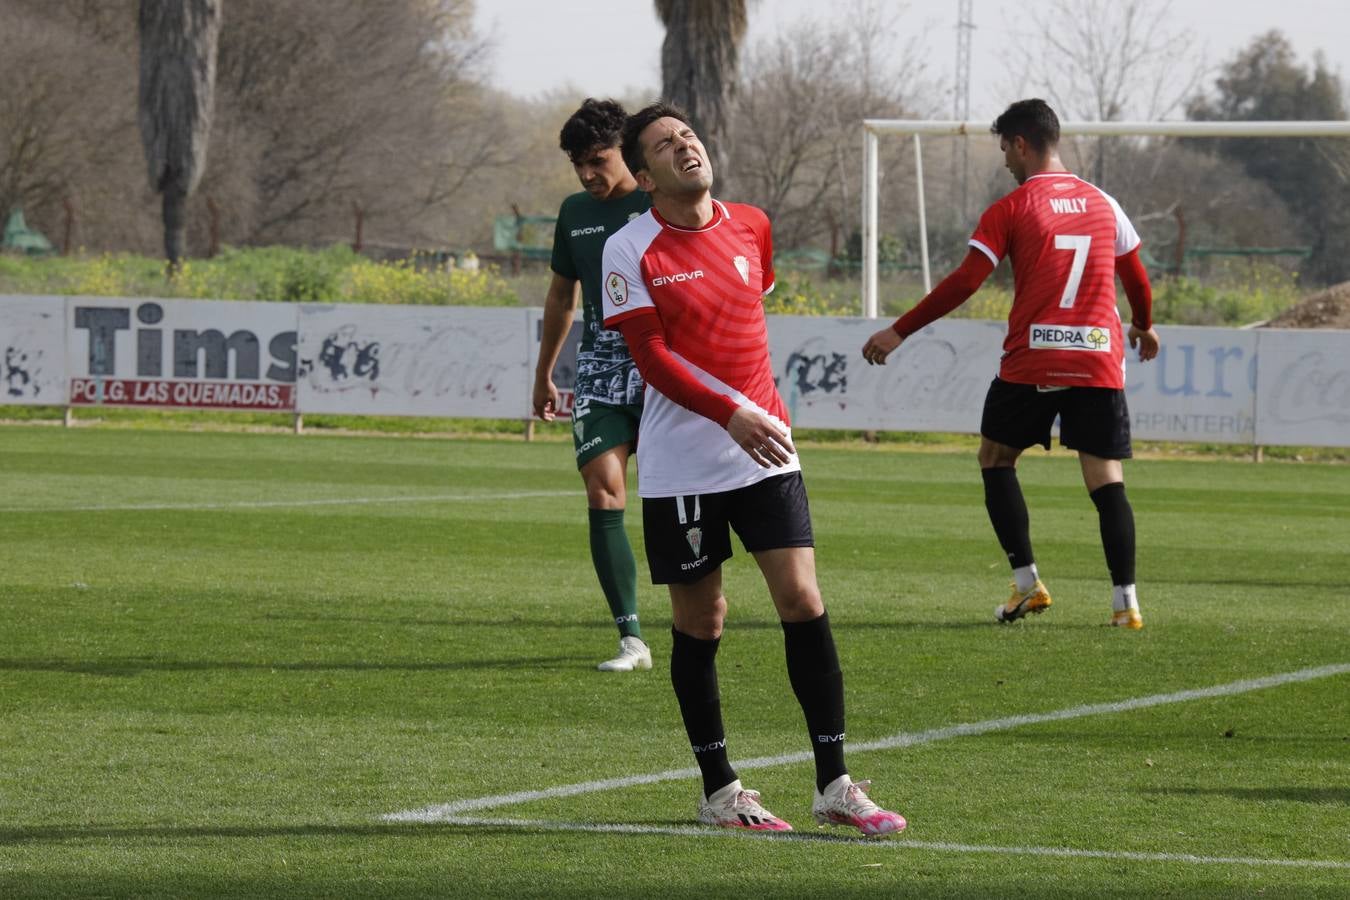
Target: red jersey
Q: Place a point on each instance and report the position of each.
(706, 285)
(1063, 235)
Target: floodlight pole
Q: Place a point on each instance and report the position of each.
(874, 127)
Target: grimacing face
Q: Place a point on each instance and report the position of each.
(600, 170)
(677, 162)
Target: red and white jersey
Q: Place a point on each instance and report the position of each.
(707, 287)
(1063, 235)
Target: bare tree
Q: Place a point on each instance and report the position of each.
(801, 98)
(1107, 60)
(177, 90)
(699, 58)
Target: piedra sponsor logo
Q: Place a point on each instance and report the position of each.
(1093, 338)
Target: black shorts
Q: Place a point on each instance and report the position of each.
(688, 537)
(1092, 420)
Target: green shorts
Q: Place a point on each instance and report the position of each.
(598, 428)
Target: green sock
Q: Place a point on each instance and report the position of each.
(614, 564)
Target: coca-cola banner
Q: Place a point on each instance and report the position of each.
(414, 361)
(1303, 388)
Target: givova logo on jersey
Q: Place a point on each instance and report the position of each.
(1093, 338)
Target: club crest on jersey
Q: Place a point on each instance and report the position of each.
(695, 538)
(1070, 337)
(617, 288)
(743, 266)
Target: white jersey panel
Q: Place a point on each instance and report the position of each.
(624, 287)
(1126, 237)
(681, 453)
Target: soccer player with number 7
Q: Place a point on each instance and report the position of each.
(1063, 356)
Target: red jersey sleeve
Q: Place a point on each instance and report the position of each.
(994, 232)
(646, 342)
(954, 290)
(1138, 291)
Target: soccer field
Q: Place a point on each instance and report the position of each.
(261, 665)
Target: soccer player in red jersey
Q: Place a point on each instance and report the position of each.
(684, 283)
(1064, 354)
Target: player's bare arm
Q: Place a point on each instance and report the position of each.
(559, 306)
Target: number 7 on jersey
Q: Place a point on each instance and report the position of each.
(1079, 244)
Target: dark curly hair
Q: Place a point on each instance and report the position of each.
(637, 122)
(1032, 120)
(598, 123)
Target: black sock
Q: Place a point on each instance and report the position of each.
(1117, 522)
(813, 669)
(693, 672)
(1008, 513)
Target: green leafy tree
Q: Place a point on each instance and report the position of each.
(1265, 81)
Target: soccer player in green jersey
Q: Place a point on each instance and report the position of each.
(608, 393)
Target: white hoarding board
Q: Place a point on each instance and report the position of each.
(936, 382)
(1304, 393)
(1201, 387)
(32, 351)
(414, 361)
(206, 354)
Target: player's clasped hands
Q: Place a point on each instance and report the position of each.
(758, 436)
(880, 345)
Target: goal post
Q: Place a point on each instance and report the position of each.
(873, 129)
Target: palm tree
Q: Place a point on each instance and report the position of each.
(698, 66)
(178, 76)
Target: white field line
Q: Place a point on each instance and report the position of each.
(891, 844)
(270, 504)
(444, 811)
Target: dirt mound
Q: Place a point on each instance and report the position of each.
(1325, 309)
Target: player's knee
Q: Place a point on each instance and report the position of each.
(605, 493)
(800, 603)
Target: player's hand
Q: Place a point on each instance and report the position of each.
(760, 437)
(880, 345)
(545, 400)
(1146, 341)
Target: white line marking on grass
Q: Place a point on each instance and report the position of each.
(269, 504)
(891, 843)
(443, 811)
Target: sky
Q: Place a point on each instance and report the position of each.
(612, 47)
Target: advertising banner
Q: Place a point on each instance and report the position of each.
(201, 354)
(935, 382)
(1304, 388)
(1202, 386)
(414, 361)
(32, 351)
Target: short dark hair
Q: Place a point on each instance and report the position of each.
(597, 123)
(637, 123)
(1032, 120)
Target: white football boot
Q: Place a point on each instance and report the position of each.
(633, 654)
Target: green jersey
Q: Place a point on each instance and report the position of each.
(605, 371)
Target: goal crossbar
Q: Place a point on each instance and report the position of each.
(917, 128)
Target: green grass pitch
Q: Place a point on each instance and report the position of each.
(224, 658)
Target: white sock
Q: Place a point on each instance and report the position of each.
(1122, 598)
(1025, 577)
